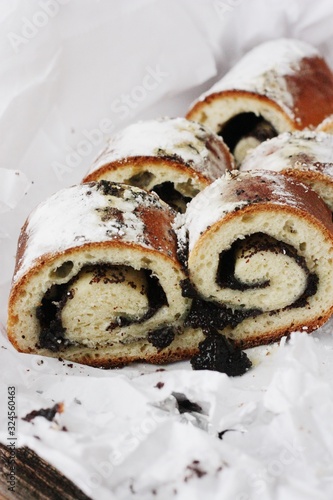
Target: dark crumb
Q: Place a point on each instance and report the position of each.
(160, 370)
(195, 470)
(77, 401)
(159, 385)
(154, 492)
(64, 428)
(70, 365)
(53, 336)
(168, 156)
(131, 487)
(167, 192)
(60, 359)
(109, 188)
(212, 315)
(185, 405)
(37, 437)
(48, 413)
(162, 337)
(188, 289)
(219, 354)
(221, 434)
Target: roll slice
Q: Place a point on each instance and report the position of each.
(281, 85)
(174, 157)
(305, 156)
(260, 258)
(97, 279)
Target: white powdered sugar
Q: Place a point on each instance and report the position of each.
(212, 204)
(207, 208)
(79, 215)
(263, 70)
(279, 184)
(177, 138)
(301, 149)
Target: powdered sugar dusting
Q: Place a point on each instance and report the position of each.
(83, 214)
(183, 140)
(215, 201)
(301, 149)
(263, 70)
(207, 208)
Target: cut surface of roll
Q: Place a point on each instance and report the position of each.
(115, 294)
(260, 267)
(97, 279)
(307, 156)
(174, 157)
(260, 257)
(280, 85)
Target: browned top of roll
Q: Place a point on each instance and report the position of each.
(289, 74)
(247, 191)
(102, 213)
(171, 141)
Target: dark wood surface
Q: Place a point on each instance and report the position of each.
(35, 479)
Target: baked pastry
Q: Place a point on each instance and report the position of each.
(97, 279)
(174, 157)
(326, 125)
(306, 156)
(260, 257)
(281, 85)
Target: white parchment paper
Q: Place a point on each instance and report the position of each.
(72, 73)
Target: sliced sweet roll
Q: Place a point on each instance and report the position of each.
(306, 156)
(174, 157)
(260, 258)
(279, 86)
(97, 279)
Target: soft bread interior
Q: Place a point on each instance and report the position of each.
(175, 185)
(277, 278)
(99, 301)
(24, 328)
(310, 242)
(218, 110)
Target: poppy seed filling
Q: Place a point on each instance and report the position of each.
(53, 334)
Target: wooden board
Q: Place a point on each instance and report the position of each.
(35, 479)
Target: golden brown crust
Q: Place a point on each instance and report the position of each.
(174, 144)
(276, 336)
(160, 358)
(17, 287)
(98, 360)
(139, 162)
(270, 203)
(200, 106)
(158, 235)
(258, 189)
(311, 88)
